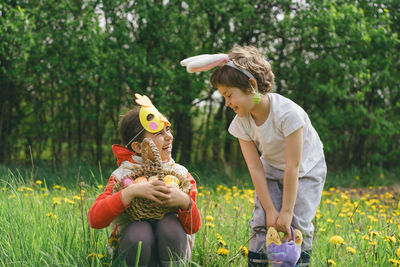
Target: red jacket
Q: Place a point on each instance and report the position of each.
(108, 206)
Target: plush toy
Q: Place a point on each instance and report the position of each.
(283, 252)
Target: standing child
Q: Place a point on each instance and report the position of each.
(290, 174)
(164, 241)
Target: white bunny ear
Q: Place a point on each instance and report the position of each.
(186, 61)
(204, 62)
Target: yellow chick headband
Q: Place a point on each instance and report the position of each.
(150, 118)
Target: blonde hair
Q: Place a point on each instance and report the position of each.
(250, 59)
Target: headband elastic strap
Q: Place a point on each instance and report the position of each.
(245, 72)
(141, 131)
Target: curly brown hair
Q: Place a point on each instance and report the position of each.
(250, 59)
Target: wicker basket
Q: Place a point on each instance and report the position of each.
(143, 208)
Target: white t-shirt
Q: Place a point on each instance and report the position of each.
(284, 118)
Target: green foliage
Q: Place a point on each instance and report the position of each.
(68, 70)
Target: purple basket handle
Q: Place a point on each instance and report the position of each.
(292, 232)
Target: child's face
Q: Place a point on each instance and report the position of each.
(240, 102)
(163, 141)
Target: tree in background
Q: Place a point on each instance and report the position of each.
(69, 70)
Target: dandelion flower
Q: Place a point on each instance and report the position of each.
(209, 218)
(374, 233)
(38, 182)
(336, 240)
(221, 242)
(209, 224)
(244, 251)
(100, 186)
(51, 215)
(57, 187)
(398, 252)
(351, 250)
(223, 251)
(390, 239)
(331, 262)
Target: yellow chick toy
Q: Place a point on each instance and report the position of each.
(298, 237)
(273, 237)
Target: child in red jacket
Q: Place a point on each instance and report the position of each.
(164, 241)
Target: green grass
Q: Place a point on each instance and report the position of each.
(45, 224)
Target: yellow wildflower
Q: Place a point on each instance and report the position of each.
(331, 262)
(38, 182)
(336, 240)
(51, 215)
(390, 239)
(56, 187)
(223, 251)
(374, 233)
(209, 224)
(398, 252)
(56, 200)
(209, 218)
(244, 251)
(221, 242)
(351, 250)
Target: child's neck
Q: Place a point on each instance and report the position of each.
(260, 112)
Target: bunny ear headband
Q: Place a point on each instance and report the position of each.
(206, 62)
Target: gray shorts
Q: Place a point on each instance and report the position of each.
(309, 192)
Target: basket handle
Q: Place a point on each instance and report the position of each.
(151, 153)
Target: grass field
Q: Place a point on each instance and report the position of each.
(44, 224)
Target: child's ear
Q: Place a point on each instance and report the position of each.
(136, 147)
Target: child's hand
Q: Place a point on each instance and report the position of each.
(155, 190)
(283, 223)
(270, 218)
(177, 198)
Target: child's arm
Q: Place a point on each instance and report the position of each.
(293, 148)
(257, 174)
(106, 207)
(190, 217)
